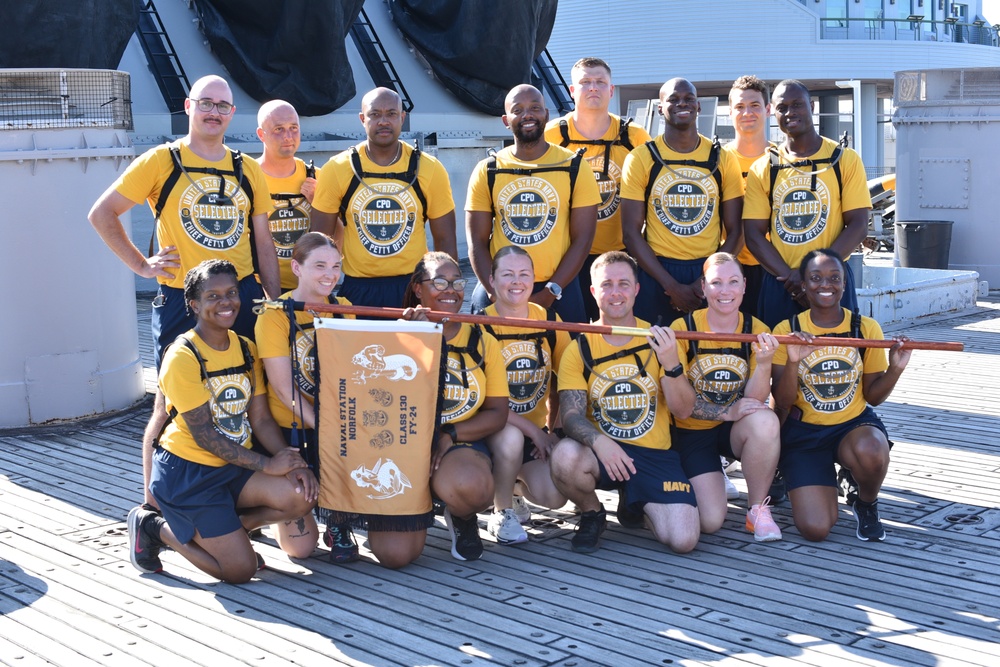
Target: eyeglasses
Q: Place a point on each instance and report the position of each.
(206, 105)
(441, 284)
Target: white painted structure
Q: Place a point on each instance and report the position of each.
(892, 295)
(68, 335)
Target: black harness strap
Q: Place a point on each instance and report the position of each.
(855, 331)
(537, 337)
(409, 177)
(573, 168)
(471, 349)
(776, 165)
(589, 363)
(659, 163)
(743, 351)
(622, 140)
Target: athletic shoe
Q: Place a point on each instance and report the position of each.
(777, 492)
(255, 533)
(732, 493)
(504, 526)
(848, 486)
(340, 538)
(628, 518)
(522, 510)
(260, 562)
(729, 466)
(869, 524)
(144, 547)
(587, 538)
(465, 541)
(761, 524)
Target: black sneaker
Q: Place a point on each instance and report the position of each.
(587, 538)
(143, 548)
(466, 544)
(628, 518)
(847, 486)
(869, 524)
(777, 491)
(340, 539)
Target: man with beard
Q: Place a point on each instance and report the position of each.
(810, 193)
(607, 140)
(680, 186)
(538, 196)
(374, 200)
(291, 182)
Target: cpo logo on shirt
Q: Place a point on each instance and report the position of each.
(213, 221)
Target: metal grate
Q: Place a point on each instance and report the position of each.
(56, 98)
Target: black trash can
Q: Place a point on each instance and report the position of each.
(923, 244)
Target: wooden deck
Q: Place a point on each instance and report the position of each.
(929, 595)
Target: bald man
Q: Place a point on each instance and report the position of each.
(291, 182)
(536, 195)
(199, 216)
(678, 192)
(375, 199)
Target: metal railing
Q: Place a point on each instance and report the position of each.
(909, 30)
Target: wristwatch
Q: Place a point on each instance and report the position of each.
(449, 430)
(554, 289)
(675, 372)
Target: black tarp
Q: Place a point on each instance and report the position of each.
(85, 34)
(479, 49)
(292, 50)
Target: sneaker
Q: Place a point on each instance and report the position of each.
(729, 466)
(522, 510)
(144, 548)
(869, 524)
(732, 493)
(761, 524)
(587, 538)
(340, 538)
(628, 518)
(465, 541)
(847, 486)
(506, 528)
(260, 562)
(777, 492)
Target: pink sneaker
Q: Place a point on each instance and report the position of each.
(760, 523)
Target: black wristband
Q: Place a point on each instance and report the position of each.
(675, 372)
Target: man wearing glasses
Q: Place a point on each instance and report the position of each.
(206, 199)
(375, 199)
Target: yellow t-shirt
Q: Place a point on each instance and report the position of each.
(683, 214)
(289, 220)
(718, 372)
(829, 378)
(625, 405)
(228, 395)
(193, 218)
(609, 218)
(530, 378)
(745, 257)
(271, 332)
(485, 379)
(385, 222)
(532, 211)
(803, 220)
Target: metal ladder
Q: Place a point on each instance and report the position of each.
(544, 70)
(162, 57)
(376, 59)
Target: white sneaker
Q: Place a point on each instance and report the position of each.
(729, 466)
(505, 527)
(522, 510)
(732, 493)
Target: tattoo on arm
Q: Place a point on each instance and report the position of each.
(707, 410)
(573, 408)
(199, 422)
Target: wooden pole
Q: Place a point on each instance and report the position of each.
(574, 327)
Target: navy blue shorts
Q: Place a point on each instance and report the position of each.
(382, 292)
(700, 449)
(651, 304)
(570, 307)
(477, 446)
(809, 451)
(775, 305)
(195, 497)
(169, 317)
(659, 478)
(754, 273)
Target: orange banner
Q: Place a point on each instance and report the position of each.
(377, 393)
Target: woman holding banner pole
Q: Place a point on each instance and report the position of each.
(289, 356)
(530, 357)
(474, 405)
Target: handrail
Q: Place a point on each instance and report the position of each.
(916, 30)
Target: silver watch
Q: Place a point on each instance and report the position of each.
(555, 289)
